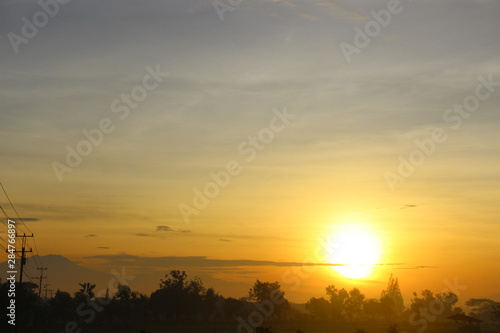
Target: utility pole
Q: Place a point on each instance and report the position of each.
(47, 290)
(23, 255)
(41, 277)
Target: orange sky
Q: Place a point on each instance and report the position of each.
(305, 141)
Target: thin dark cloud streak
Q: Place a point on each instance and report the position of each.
(29, 219)
(202, 261)
(416, 267)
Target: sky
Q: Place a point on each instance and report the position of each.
(231, 139)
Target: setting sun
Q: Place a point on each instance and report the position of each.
(357, 248)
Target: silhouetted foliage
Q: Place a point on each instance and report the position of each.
(63, 306)
(124, 293)
(271, 294)
(264, 329)
(232, 308)
(262, 290)
(373, 308)
(392, 300)
(337, 302)
(319, 307)
(126, 307)
(484, 308)
(29, 310)
(345, 305)
(85, 293)
(443, 302)
(360, 330)
(354, 304)
(178, 298)
(181, 300)
(392, 328)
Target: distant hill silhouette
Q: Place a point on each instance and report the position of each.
(62, 273)
(65, 274)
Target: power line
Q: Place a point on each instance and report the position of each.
(4, 240)
(14, 208)
(39, 264)
(27, 271)
(30, 264)
(24, 263)
(27, 276)
(4, 213)
(7, 218)
(41, 277)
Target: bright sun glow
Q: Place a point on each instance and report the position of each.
(356, 247)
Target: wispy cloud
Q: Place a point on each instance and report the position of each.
(334, 8)
(308, 16)
(163, 228)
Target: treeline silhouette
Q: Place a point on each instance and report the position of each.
(180, 301)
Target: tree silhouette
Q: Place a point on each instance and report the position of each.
(178, 298)
(392, 300)
(337, 301)
(85, 293)
(29, 309)
(124, 293)
(233, 308)
(387, 308)
(262, 290)
(126, 308)
(372, 308)
(183, 300)
(439, 305)
(484, 308)
(319, 307)
(267, 291)
(354, 304)
(62, 306)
